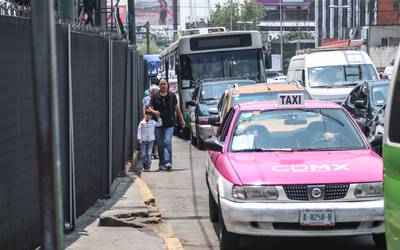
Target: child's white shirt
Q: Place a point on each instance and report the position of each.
(146, 129)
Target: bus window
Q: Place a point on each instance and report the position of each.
(391, 159)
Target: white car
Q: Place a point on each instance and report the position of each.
(330, 75)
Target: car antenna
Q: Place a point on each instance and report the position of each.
(266, 82)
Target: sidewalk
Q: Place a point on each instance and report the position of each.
(129, 225)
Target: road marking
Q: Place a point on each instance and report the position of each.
(171, 242)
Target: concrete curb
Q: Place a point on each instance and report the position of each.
(171, 242)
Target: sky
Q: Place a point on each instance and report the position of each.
(200, 8)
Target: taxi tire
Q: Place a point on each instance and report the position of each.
(227, 240)
(379, 240)
(212, 208)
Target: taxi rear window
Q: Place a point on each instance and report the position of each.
(302, 129)
(264, 96)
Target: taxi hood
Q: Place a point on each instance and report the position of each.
(322, 167)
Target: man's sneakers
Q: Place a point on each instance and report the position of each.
(166, 167)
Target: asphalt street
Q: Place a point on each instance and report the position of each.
(182, 198)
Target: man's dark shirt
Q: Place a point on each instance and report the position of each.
(166, 106)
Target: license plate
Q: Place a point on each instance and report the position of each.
(321, 217)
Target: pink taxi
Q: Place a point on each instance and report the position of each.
(293, 168)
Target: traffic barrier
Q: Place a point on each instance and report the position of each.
(101, 85)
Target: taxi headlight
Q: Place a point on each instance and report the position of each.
(255, 192)
(373, 189)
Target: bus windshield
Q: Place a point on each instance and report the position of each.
(240, 63)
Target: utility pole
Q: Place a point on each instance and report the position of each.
(175, 2)
(316, 24)
(66, 9)
(230, 6)
(132, 22)
(340, 21)
(148, 37)
(331, 21)
(47, 119)
(281, 32)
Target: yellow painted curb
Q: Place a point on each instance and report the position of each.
(145, 192)
(167, 235)
(173, 244)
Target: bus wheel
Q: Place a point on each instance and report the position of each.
(379, 240)
(227, 240)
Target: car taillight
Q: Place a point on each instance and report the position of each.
(202, 120)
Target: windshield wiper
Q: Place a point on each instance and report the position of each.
(323, 86)
(308, 149)
(265, 150)
(347, 84)
(209, 99)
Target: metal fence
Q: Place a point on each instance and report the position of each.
(101, 84)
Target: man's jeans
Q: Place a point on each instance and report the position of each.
(164, 138)
(146, 147)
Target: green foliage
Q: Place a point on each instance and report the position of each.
(232, 12)
(252, 11)
(226, 16)
(294, 35)
(142, 47)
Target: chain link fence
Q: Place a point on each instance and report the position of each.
(101, 83)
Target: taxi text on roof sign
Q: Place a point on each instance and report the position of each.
(290, 99)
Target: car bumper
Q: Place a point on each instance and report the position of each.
(282, 219)
(204, 132)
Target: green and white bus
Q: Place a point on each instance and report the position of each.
(214, 55)
(391, 158)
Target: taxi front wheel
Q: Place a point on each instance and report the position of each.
(212, 208)
(227, 240)
(379, 240)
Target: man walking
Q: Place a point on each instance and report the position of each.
(165, 105)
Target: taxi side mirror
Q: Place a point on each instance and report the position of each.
(359, 104)
(214, 145)
(376, 141)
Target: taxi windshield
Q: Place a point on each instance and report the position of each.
(295, 130)
(264, 96)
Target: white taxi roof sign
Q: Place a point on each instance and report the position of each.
(290, 100)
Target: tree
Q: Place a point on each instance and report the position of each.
(252, 12)
(232, 12)
(226, 16)
(142, 47)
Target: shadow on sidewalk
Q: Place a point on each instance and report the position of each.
(118, 190)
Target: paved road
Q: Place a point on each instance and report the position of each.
(182, 197)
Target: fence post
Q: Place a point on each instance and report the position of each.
(47, 121)
(71, 137)
(110, 113)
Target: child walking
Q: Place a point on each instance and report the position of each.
(146, 137)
